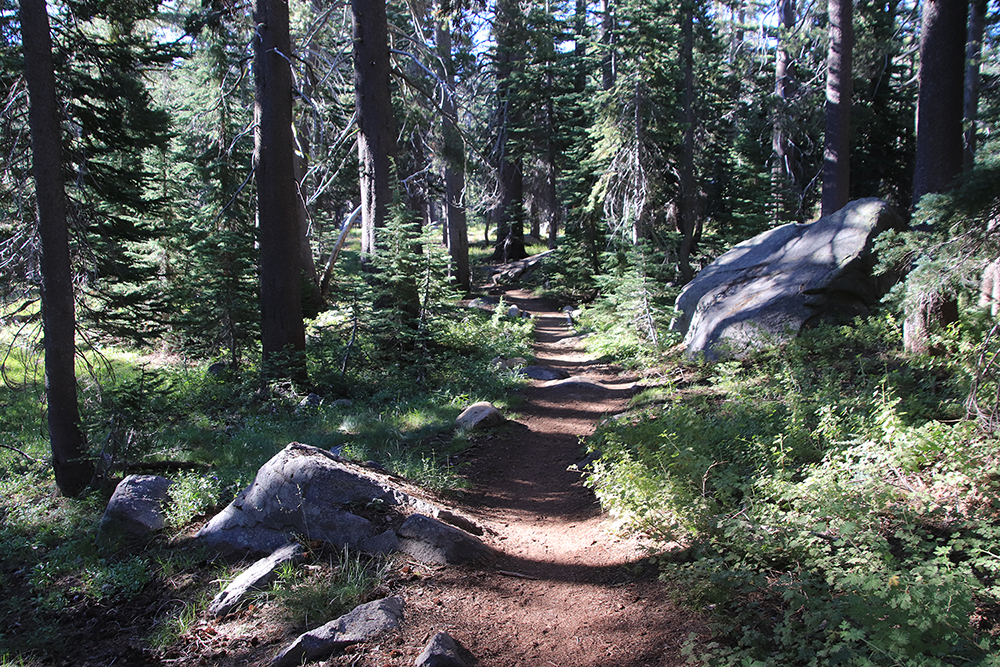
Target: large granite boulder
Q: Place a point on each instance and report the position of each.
(768, 288)
(308, 493)
(302, 491)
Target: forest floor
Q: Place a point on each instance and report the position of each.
(563, 590)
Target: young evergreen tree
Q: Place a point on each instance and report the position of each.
(213, 261)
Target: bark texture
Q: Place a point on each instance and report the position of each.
(837, 138)
(456, 224)
(282, 330)
(940, 100)
(376, 125)
(73, 471)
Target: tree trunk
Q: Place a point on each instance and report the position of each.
(282, 330)
(456, 224)
(73, 471)
(940, 99)
(939, 142)
(973, 54)
(784, 171)
(837, 139)
(609, 63)
(376, 126)
(509, 211)
(688, 214)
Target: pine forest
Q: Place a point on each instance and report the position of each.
(231, 225)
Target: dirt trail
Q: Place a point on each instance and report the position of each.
(562, 591)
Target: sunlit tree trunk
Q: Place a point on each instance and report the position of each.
(837, 138)
(376, 125)
(73, 471)
(282, 329)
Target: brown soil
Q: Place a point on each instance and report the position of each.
(563, 590)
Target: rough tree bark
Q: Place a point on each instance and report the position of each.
(837, 138)
(508, 214)
(282, 330)
(939, 143)
(688, 213)
(784, 171)
(456, 224)
(376, 125)
(73, 470)
(940, 98)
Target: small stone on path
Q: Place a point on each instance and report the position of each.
(441, 651)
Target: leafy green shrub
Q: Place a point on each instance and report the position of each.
(824, 514)
(190, 495)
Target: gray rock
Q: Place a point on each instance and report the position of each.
(362, 624)
(544, 373)
(479, 416)
(431, 541)
(383, 543)
(303, 491)
(768, 288)
(507, 364)
(513, 312)
(441, 651)
(310, 401)
(342, 403)
(254, 578)
(136, 507)
(483, 303)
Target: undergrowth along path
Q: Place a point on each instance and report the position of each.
(563, 591)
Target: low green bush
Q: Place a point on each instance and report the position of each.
(823, 504)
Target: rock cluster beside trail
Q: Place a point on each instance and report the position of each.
(770, 287)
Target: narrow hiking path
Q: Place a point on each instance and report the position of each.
(563, 590)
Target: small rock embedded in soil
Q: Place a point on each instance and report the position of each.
(257, 576)
(362, 624)
(479, 416)
(431, 541)
(136, 507)
(441, 651)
